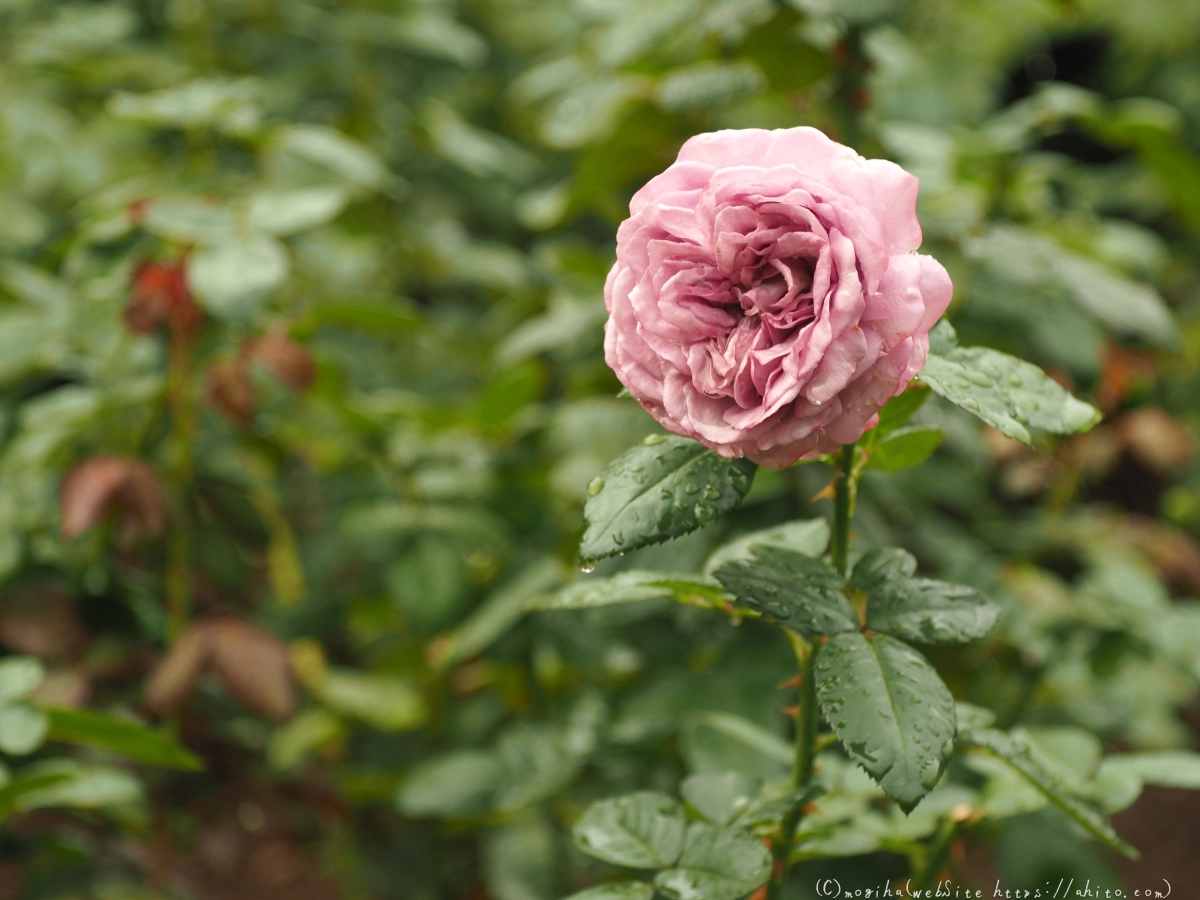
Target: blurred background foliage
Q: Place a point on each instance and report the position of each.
(301, 389)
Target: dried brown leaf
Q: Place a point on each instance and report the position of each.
(252, 666)
(113, 485)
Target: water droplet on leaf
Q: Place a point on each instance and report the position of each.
(595, 486)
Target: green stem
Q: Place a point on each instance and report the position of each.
(802, 770)
(807, 715)
(843, 509)
(936, 859)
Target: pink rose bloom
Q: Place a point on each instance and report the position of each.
(766, 298)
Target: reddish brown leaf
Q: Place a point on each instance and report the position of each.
(173, 680)
(159, 296)
(230, 392)
(123, 486)
(252, 666)
(288, 361)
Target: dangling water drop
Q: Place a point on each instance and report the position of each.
(587, 567)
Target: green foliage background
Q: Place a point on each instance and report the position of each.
(425, 195)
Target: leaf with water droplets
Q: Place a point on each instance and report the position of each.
(1007, 393)
(717, 864)
(807, 536)
(1017, 755)
(642, 831)
(793, 589)
(890, 709)
(631, 586)
(659, 490)
(919, 609)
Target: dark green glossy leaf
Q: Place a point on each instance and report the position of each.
(1007, 393)
(1004, 747)
(793, 589)
(919, 609)
(904, 448)
(660, 489)
(642, 831)
(716, 864)
(113, 734)
(890, 709)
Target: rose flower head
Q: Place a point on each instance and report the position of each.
(767, 299)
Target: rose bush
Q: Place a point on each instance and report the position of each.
(766, 299)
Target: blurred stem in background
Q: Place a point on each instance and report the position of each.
(181, 406)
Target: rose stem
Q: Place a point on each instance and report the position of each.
(807, 719)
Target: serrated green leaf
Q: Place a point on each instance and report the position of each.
(1007, 393)
(720, 796)
(113, 734)
(1017, 756)
(624, 890)
(19, 677)
(456, 784)
(919, 609)
(631, 586)
(660, 489)
(793, 589)
(807, 536)
(890, 709)
(643, 830)
(904, 448)
(716, 864)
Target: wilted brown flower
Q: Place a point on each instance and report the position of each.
(123, 486)
(250, 664)
(159, 296)
(287, 360)
(230, 392)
